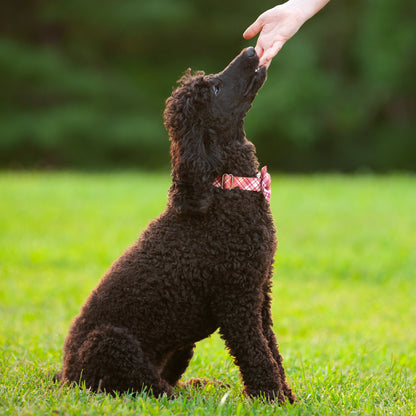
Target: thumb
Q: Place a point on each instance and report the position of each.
(253, 29)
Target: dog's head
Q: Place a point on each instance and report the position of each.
(234, 89)
(224, 97)
(203, 115)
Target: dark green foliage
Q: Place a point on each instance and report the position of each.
(83, 83)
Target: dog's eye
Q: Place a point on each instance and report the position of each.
(216, 89)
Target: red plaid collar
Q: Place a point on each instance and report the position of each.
(261, 183)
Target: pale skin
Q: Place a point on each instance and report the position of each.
(279, 24)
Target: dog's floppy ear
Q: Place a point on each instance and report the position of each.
(196, 157)
(194, 168)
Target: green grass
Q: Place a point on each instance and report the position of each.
(344, 292)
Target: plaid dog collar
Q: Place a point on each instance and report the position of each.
(261, 183)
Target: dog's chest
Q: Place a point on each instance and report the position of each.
(243, 232)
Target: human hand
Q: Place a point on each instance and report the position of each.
(276, 26)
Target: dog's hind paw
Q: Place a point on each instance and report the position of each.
(200, 383)
(55, 376)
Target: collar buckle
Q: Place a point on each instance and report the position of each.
(223, 179)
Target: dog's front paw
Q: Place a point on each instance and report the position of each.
(291, 397)
(269, 395)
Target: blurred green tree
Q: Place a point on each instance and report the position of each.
(83, 84)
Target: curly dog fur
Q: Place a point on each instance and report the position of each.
(205, 263)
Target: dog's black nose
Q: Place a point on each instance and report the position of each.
(251, 52)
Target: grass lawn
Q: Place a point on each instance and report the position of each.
(344, 292)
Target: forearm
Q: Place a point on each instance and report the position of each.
(308, 8)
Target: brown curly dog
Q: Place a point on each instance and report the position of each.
(205, 263)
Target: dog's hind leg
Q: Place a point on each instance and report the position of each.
(271, 340)
(111, 360)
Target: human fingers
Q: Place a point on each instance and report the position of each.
(270, 53)
(259, 50)
(252, 30)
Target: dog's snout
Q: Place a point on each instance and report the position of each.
(251, 52)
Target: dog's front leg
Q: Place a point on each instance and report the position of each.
(241, 328)
(271, 339)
